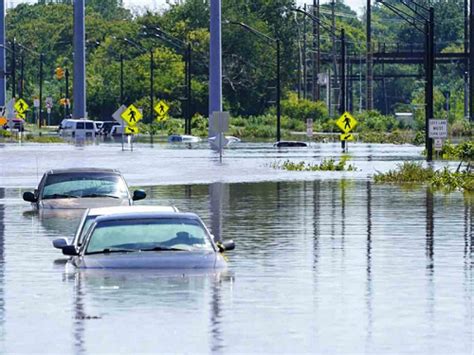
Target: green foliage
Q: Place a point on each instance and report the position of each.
(412, 172)
(5, 134)
(325, 165)
(303, 109)
(463, 151)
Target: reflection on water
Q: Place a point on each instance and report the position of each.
(321, 266)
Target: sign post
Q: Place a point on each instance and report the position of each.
(346, 124)
(131, 115)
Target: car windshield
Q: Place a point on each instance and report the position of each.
(84, 185)
(178, 234)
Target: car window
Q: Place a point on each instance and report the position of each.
(84, 228)
(182, 233)
(84, 185)
(69, 125)
(79, 125)
(89, 125)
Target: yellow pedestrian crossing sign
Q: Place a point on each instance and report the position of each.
(131, 130)
(21, 106)
(346, 122)
(131, 115)
(160, 119)
(162, 108)
(347, 137)
(21, 115)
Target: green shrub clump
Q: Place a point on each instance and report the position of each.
(325, 165)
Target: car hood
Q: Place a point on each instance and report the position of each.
(73, 203)
(152, 260)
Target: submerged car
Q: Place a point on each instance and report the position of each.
(92, 213)
(157, 240)
(82, 188)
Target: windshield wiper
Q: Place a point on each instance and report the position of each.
(46, 197)
(100, 195)
(162, 248)
(113, 250)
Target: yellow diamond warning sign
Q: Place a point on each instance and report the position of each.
(21, 106)
(131, 130)
(131, 115)
(346, 122)
(162, 108)
(347, 137)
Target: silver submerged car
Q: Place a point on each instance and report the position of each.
(82, 188)
(92, 213)
(159, 240)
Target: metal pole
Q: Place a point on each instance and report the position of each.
(471, 61)
(13, 68)
(121, 79)
(429, 82)
(305, 64)
(343, 72)
(66, 108)
(3, 65)
(466, 60)
(189, 87)
(215, 62)
(278, 77)
(152, 88)
(343, 81)
(41, 59)
(369, 64)
(79, 84)
(316, 52)
(22, 73)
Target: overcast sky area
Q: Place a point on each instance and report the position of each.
(138, 5)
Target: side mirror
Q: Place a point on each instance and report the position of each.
(139, 195)
(70, 250)
(60, 243)
(29, 197)
(226, 246)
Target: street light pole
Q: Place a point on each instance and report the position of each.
(152, 87)
(429, 82)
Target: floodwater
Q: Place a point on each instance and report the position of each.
(325, 263)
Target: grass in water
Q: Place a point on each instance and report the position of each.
(325, 165)
(412, 172)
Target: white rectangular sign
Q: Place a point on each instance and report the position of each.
(220, 122)
(438, 129)
(309, 127)
(438, 144)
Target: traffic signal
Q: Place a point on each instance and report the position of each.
(59, 73)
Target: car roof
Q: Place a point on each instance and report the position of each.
(103, 211)
(83, 170)
(146, 215)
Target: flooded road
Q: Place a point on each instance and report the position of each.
(328, 265)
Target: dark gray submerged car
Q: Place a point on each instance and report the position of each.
(158, 240)
(82, 188)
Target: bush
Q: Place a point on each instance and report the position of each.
(302, 109)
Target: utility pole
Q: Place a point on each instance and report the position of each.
(13, 68)
(22, 74)
(152, 84)
(471, 62)
(189, 87)
(316, 52)
(303, 60)
(79, 84)
(334, 50)
(66, 107)
(369, 64)
(429, 82)
(466, 59)
(3, 64)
